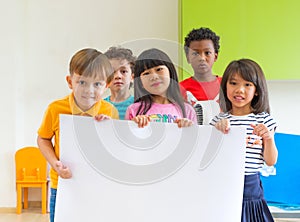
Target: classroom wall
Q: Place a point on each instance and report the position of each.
(37, 40)
(39, 37)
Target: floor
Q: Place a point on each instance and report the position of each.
(29, 215)
(34, 215)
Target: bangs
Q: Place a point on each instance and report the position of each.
(142, 65)
(246, 72)
(149, 59)
(100, 67)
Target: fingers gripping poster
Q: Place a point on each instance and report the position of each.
(158, 173)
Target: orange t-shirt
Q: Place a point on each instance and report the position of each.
(50, 124)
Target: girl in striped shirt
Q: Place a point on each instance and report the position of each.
(244, 102)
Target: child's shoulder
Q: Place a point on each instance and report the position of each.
(188, 106)
(65, 101)
(187, 81)
(105, 102)
(263, 117)
(134, 105)
(106, 105)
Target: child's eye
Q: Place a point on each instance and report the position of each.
(248, 84)
(232, 82)
(124, 71)
(81, 82)
(99, 84)
(159, 69)
(194, 53)
(145, 73)
(208, 53)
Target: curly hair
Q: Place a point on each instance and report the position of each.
(121, 53)
(201, 34)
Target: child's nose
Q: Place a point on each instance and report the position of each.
(240, 88)
(89, 88)
(201, 57)
(118, 75)
(154, 76)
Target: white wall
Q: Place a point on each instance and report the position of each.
(37, 40)
(285, 105)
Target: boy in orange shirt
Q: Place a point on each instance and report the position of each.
(89, 70)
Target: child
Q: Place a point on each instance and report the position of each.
(156, 92)
(122, 61)
(244, 100)
(89, 70)
(201, 49)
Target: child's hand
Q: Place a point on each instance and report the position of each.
(141, 120)
(262, 131)
(184, 122)
(101, 117)
(223, 125)
(62, 170)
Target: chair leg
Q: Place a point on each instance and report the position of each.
(19, 199)
(25, 197)
(44, 198)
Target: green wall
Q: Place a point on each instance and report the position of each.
(266, 31)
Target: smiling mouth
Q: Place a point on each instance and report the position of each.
(156, 84)
(238, 98)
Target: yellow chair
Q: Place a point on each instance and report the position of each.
(31, 171)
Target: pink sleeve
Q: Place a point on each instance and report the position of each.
(190, 113)
(129, 113)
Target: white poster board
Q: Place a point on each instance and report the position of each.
(158, 173)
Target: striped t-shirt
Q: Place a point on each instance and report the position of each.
(121, 106)
(254, 144)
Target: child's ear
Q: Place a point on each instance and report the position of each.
(69, 81)
(216, 56)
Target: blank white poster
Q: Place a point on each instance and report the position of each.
(157, 173)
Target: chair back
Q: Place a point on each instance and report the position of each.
(30, 164)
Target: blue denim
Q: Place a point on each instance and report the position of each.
(52, 204)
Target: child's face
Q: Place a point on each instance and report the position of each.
(156, 80)
(87, 90)
(240, 93)
(201, 56)
(122, 75)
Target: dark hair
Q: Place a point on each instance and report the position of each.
(117, 52)
(201, 34)
(249, 71)
(146, 60)
(90, 62)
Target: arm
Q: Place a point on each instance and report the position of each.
(270, 149)
(47, 150)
